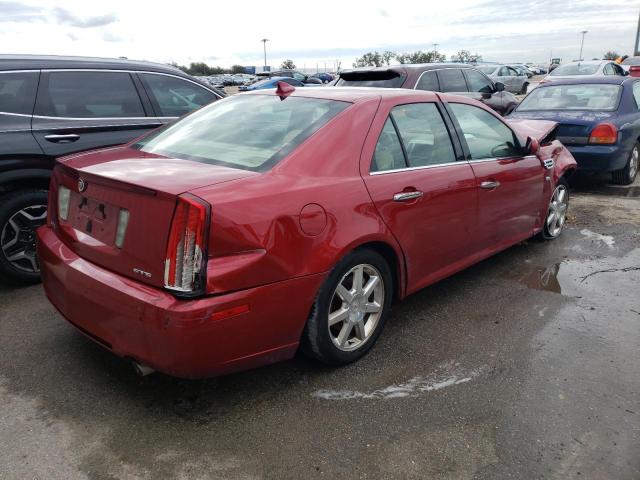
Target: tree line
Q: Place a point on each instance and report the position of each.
(201, 68)
(380, 59)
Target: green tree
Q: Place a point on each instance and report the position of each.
(387, 56)
(421, 57)
(465, 56)
(288, 64)
(369, 59)
(611, 55)
(237, 69)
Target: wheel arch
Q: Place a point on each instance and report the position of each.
(23, 179)
(395, 260)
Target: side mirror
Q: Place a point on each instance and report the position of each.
(532, 146)
(499, 87)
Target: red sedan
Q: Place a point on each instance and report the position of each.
(282, 219)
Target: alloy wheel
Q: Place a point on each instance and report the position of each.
(356, 307)
(634, 162)
(557, 210)
(18, 238)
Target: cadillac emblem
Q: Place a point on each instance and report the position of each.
(82, 185)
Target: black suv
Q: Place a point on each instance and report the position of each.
(457, 78)
(53, 106)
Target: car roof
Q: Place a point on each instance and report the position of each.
(347, 94)
(28, 62)
(609, 79)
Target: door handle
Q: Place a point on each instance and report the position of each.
(405, 196)
(490, 185)
(68, 138)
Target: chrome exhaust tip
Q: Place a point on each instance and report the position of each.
(142, 370)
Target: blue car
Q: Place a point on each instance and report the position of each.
(599, 121)
(271, 82)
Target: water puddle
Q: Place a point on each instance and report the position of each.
(539, 278)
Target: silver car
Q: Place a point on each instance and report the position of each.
(514, 81)
(584, 69)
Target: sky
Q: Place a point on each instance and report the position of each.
(315, 33)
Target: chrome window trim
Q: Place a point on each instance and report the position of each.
(20, 71)
(49, 70)
(101, 118)
(494, 159)
(16, 114)
(424, 167)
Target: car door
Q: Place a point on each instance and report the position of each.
(173, 96)
(510, 185)
(516, 79)
(424, 194)
(502, 75)
(79, 110)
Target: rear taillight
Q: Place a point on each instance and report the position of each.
(604, 134)
(634, 71)
(64, 196)
(184, 267)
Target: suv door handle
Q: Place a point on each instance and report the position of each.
(68, 138)
(490, 185)
(405, 196)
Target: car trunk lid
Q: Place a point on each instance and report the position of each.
(574, 127)
(109, 191)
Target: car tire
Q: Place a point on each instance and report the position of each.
(356, 326)
(21, 213)
(523, 90)
(627, 175)
(556, 216)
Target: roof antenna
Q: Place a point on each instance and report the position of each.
(283, 90)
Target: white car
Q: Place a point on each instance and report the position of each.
(584, 69)
(514, 81)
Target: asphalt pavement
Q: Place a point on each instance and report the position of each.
(524, 366)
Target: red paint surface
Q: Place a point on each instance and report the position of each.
(274, 236)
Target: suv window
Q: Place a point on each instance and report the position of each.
(388, 154)
(451, 80)
(18, 92)
(477, 81)
(608, 69)
(88, 95)
(173, 97)
(636, 93)
(503, 72)
(428, 81)
(486, 135)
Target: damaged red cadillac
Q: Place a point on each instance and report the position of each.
(275, 221)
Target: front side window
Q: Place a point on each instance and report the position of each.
(608, 69)
(252, 132)
(428, 81)
(174, 97)
(636, 93)
(88, 95)
(421, 134)
(503, 72)
(18, 92)
(478, 82)
(452, 80)
(486, 136)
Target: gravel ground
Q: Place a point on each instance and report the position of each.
(524, 366)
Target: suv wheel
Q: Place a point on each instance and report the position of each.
(627, 175)
(21, 213)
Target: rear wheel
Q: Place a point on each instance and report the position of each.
(350, 309)
(21, 213)
(557, 211)
(628, 174)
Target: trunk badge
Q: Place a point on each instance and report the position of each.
(82, 185)
(141, 272)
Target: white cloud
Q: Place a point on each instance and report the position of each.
(313, 33)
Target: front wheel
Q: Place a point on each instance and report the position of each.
(350, 309)
(627, 175)
(21, 213)
(557, 212)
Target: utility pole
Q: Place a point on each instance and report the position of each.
(636, 47)
(435, 51)
(583, 32)
(264, 41)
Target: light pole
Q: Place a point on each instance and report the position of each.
(583, 32)
(264, 41)
(435, 51)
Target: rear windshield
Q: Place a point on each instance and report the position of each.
(251, 132)
(576, 69)
(380, 79)
(631, 61)
(573, 97)
(486, 70)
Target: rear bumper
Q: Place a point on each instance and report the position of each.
(177, 337)
(599, 158)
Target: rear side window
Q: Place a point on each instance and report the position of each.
(428, 81)
(636, 93)
(88, 95)
(486, 136)
(174, 97)
(18, 92)
(451, 80)
(477, 81)
(423, 137)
